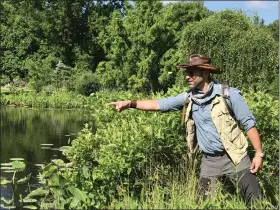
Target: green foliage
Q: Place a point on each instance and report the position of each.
(246, 53)
(57, 99)
(19, 37)
(131, 47)
(132, 152)
(41, 71)
(86, 46)
(57, 192)
(87, 83)
(62, 76)
(274, 28)
(265, 109)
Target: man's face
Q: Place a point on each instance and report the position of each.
(195, 77)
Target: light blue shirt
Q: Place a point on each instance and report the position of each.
(207, 135)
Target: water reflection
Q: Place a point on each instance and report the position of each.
(24, 130)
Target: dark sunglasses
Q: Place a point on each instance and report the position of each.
(189, 72)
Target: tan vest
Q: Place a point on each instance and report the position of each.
(233, 139)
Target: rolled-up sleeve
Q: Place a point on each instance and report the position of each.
(241, 110)
(172, 103)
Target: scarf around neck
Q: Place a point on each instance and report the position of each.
(199, 97)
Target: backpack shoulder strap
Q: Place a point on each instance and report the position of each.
(186, 103)
(226, 98)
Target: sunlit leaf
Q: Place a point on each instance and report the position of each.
(10, 207)
(40, 165)
(6, 168)
(24, 180)
(39, 192)
(68, 165)
(46, 145)
(48, 170)
(78, 194)
(74, 203)
(6, 164)
(58, 162)
(53, 181)
(18, 164)
(9, 171)
(30, 207)
(63, 148)
(85, 172)
(47, 205)
(111, 145)
(29, 200)
(6, 200)
(5, 181)
(16, 159)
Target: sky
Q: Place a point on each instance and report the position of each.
(268, 10)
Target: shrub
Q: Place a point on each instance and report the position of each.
(87, 83)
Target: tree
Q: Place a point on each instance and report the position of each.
(274, 28)
(20, 36)
(245, 52)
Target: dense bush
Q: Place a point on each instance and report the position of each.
(266, 111)
(86, 84)
(47, 99)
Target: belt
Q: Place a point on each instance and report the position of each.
(214, 155)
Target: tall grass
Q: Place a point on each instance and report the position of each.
(182, 193)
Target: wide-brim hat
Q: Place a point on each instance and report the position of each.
(201, 62)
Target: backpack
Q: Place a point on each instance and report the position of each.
(225, 95)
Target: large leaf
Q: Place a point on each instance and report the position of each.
(48, 170)
(53, 181)
(40, 192)
(18, 165)
(79, 195)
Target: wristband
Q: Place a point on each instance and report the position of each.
(133, 104)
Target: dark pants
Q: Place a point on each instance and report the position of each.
(214, 168)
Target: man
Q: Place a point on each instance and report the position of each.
(216, 131)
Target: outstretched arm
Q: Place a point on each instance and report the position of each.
(146, 105)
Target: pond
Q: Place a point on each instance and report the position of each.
(23, 131)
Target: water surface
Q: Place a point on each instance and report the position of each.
(23, 131)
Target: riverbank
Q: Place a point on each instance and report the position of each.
(63, 99)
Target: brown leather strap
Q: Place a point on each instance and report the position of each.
(133, 104)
